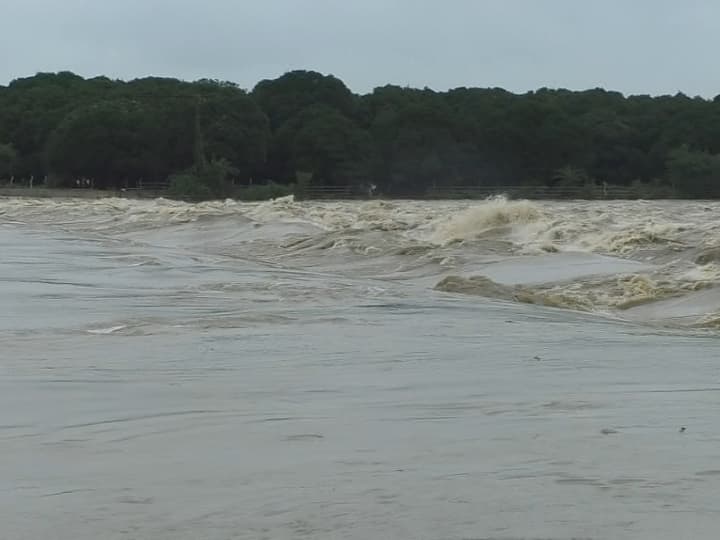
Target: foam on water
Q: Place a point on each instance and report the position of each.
(649, 253)
(326, 370)
(106, 331)
(495, 213)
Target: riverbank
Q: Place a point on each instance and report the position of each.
(70, 193)
(273, 191)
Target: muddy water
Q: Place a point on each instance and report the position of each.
(299, 370)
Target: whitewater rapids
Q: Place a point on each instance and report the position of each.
(399, 370)
(646, 261)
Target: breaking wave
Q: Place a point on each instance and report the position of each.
(634, 254)
(495, 213)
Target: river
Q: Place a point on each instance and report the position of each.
(354, 370)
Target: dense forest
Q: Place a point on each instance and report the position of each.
(206, 136)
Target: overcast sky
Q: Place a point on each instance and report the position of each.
(635, 46)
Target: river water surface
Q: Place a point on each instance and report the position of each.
(348, 370)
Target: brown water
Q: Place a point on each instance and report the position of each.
(349, 370)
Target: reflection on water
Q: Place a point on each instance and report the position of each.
(287, 370)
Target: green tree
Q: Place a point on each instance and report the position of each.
(7, 160)
(569, 176)
(32, 107)
(211, 180)
(114, 143)
(324, 143)
(693, 172)
(234, 128)
(415, 138)
(286, 96)
(404, 140)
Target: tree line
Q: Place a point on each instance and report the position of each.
(206, 136)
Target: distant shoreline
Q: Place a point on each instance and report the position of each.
(70, 193)
(306, 133)
(470, 194)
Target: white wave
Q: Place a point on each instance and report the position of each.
(108, 330)
(678, 239)
(491, 214)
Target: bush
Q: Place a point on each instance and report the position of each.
(263, 192)
(653, 190)
(212, 181)
(203, 182)
(187, 186)
(303, 180)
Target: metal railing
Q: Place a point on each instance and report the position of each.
(144, 185)
(331, 192)
(480, 192)
(536, 192)
(607, 192)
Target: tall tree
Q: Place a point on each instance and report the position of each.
(321, 141)
(234, 128)
(696, 171)
(115, 143)
(286, 96)
(7, 160)
(405, 140)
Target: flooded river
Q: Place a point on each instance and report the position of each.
(356, 370)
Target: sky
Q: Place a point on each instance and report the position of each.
(633, 46)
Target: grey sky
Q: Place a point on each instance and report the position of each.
(635, 46)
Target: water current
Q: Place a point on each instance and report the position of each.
(331, 370)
